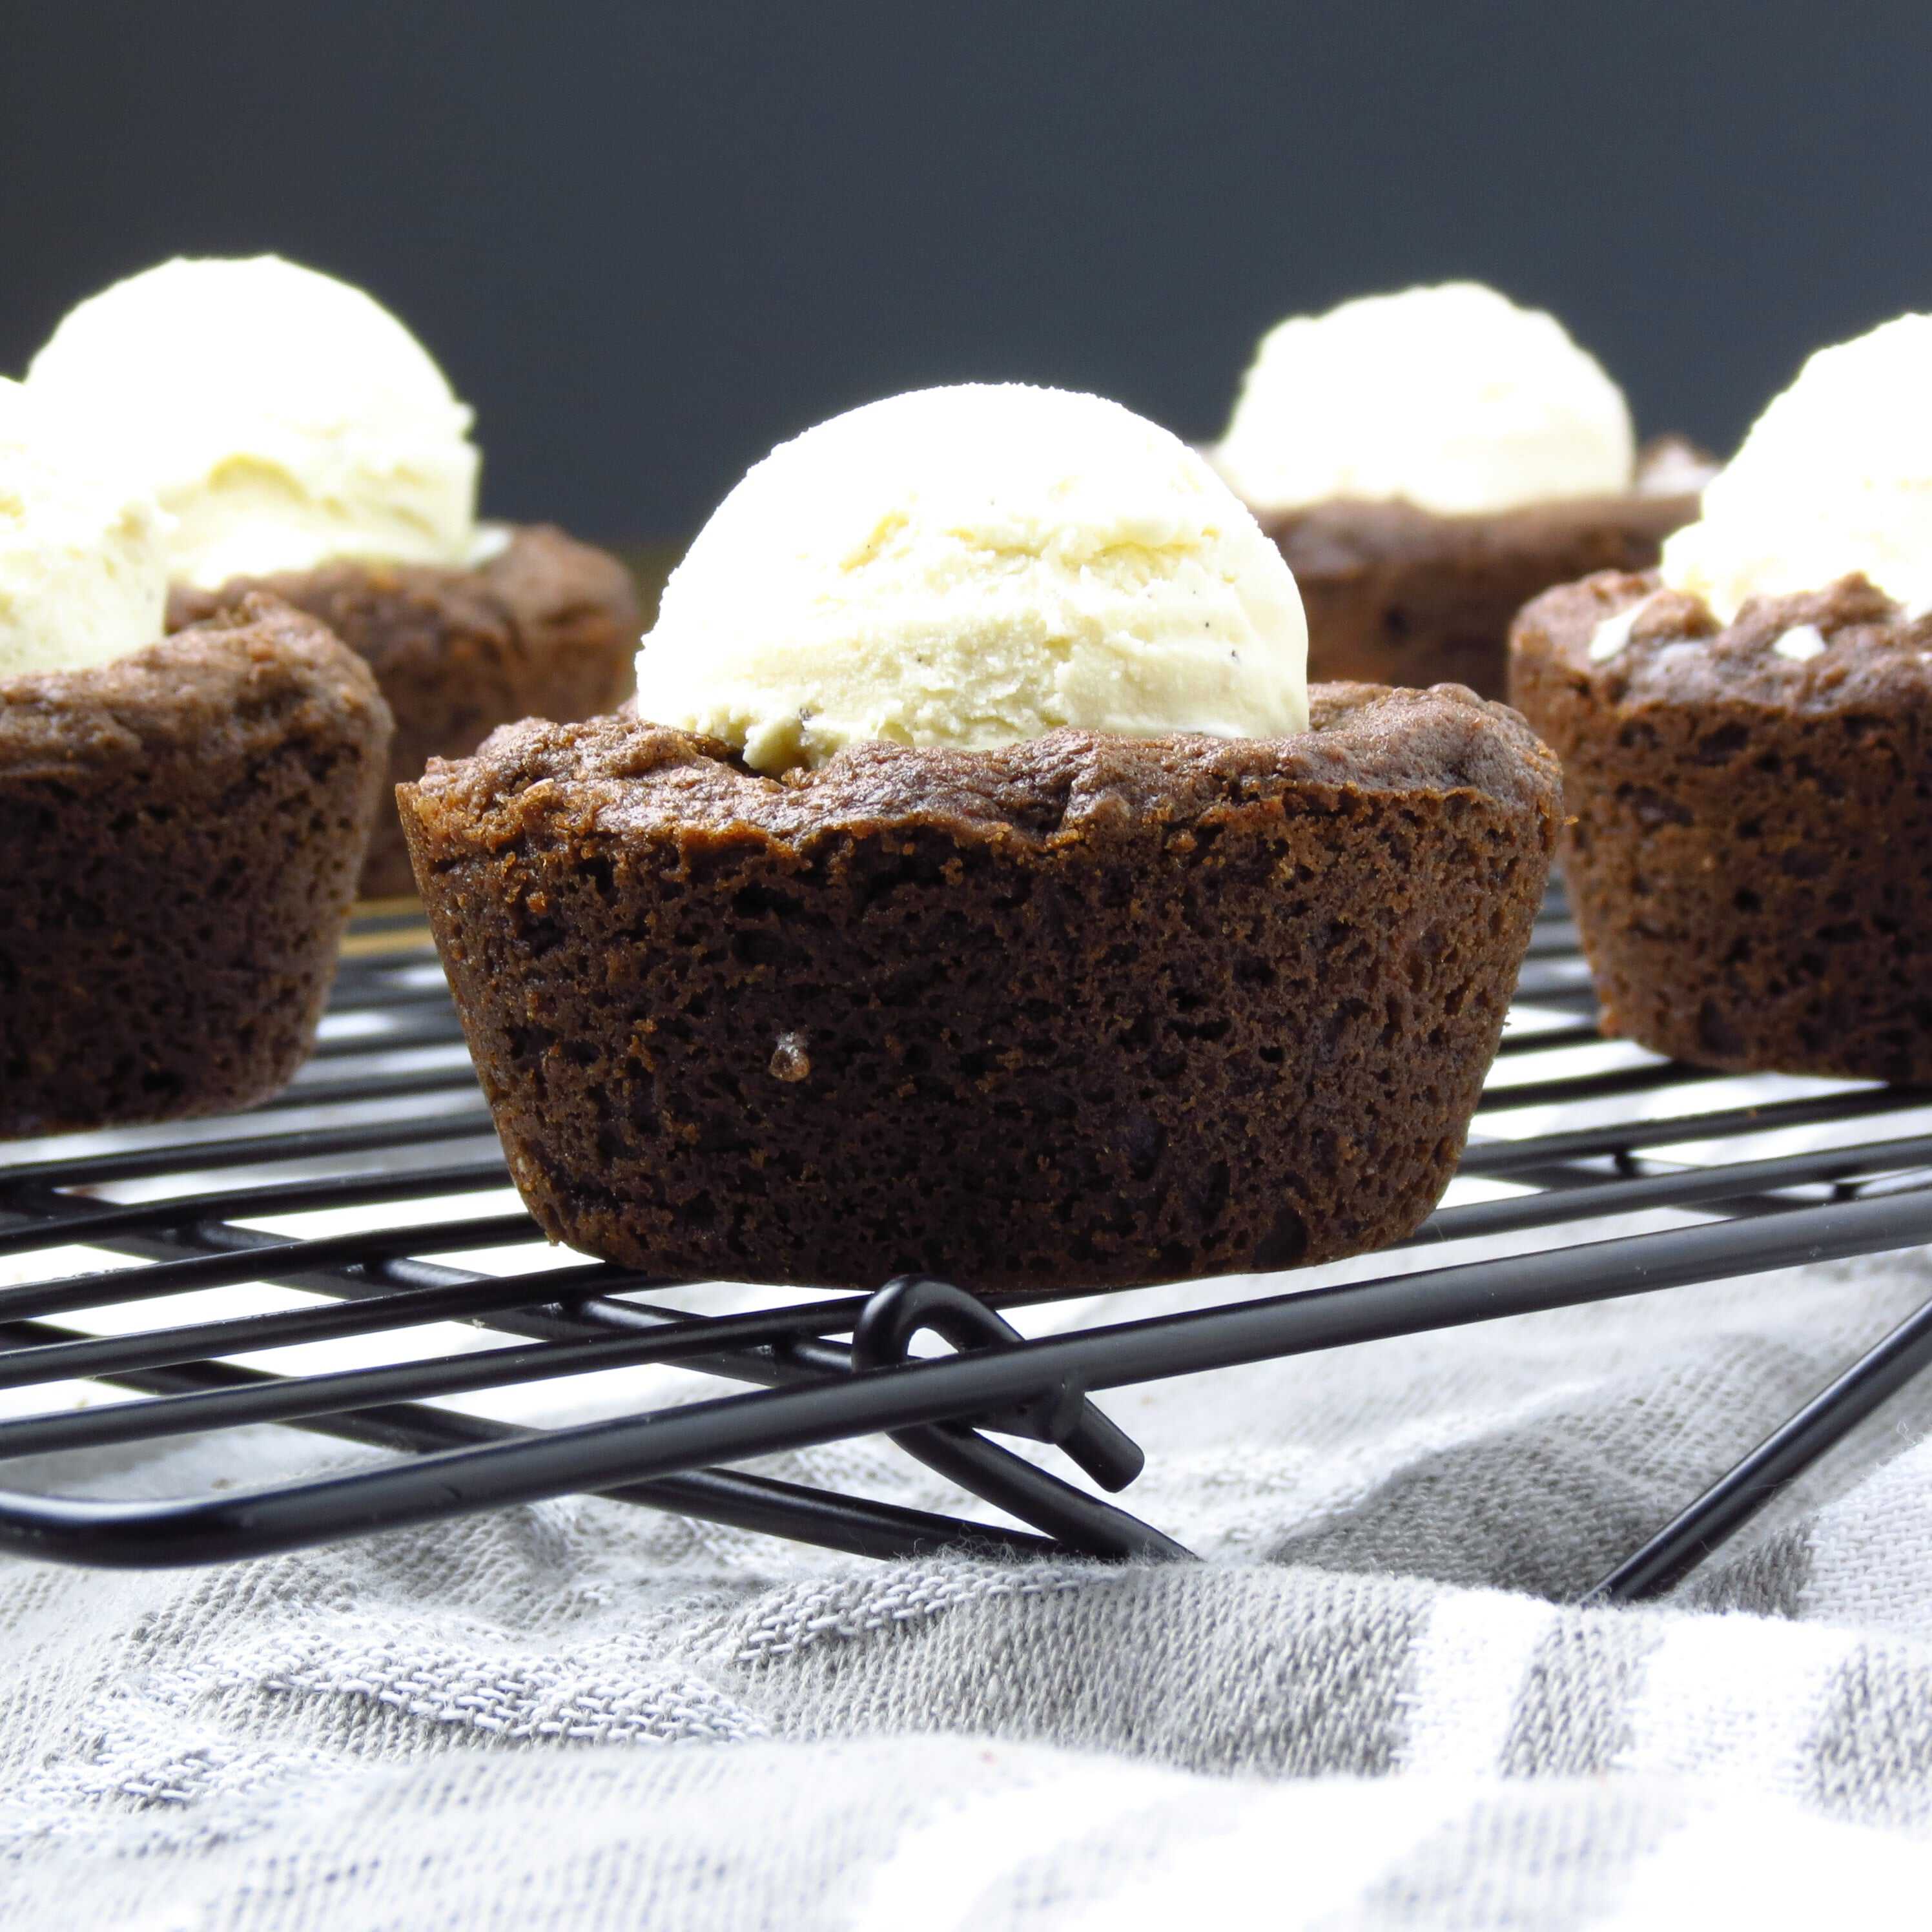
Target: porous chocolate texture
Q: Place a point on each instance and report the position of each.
(1084, 1011)
(180, 833)
(1396, 594)
(1750, 847)
(547, 628)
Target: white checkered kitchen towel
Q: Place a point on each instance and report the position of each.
(1368, 1707)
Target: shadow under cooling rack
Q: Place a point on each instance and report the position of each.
(381, 1167)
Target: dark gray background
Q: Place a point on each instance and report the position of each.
(647, 242)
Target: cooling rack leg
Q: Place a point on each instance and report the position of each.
(1731, 1502)
(884, 1331)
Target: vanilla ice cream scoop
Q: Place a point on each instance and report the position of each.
(83, 553)
(1835, 477)
(972, 566)
(284, 418)
(1451, 398)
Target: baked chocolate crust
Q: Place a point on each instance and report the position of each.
(546, 628)
(1084, 1011)
(180, 831)
(1396, 594)
(1750, 847)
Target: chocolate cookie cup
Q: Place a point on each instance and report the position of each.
(547, 628)
(180, 831)
(1085, 1011)
(1396, 594)
(1749, 852)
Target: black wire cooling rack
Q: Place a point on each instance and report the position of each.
(383, 1153)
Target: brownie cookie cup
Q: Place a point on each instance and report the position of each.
(181, 828)
(546, 627)
(304, 442)
(1749, 847)
(1080, 1011)
(1396, 594)
(866, 956)
(1427, 463)
(1746, 738)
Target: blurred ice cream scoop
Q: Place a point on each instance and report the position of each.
(83, 557)
(1451, 398)
(282, 417)
(1835, 478)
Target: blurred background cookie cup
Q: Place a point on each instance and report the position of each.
(301, 441)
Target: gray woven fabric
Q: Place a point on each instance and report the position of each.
(1367, 1707)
